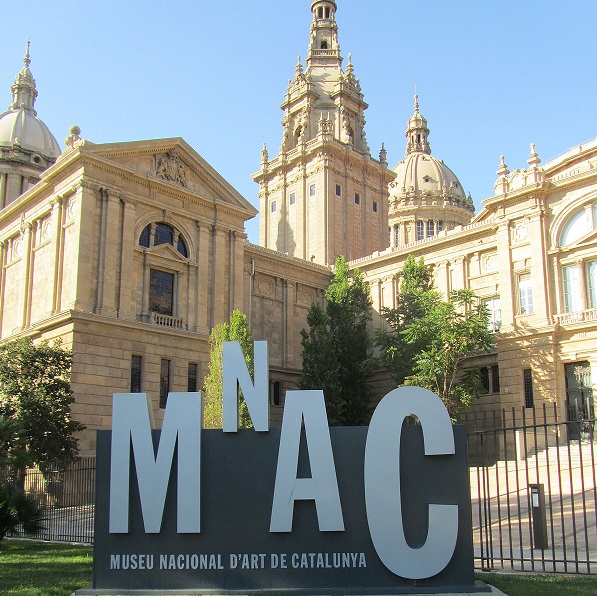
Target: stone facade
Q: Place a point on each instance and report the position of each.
(131, 252)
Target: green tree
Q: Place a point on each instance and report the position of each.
(236, 329)
(15, 507)
(429, 339)
(320, 363)
(341, 341)
(35, 390)
(397, 355)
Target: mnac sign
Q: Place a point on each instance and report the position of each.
(378, 509)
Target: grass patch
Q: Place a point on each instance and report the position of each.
(523, 584)
(43, 569)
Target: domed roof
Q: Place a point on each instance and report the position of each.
(19, 125)
(22, 128)
(420, 173)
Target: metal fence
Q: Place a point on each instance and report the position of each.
(66, 498)
(533, 491)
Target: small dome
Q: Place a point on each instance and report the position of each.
(422, 173)
(21, 127)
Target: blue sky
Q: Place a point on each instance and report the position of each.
(492, 77)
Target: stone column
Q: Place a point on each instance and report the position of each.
(112, 255)
(580, 263)
(58, 216)
(506, 281)
(2, 281)
(127, 286)
(3, 190)
(218, 276)
(238, 255)
(26, 275)
(202, 285)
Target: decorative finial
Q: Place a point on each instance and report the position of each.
(533, 157)
(299, 66)
(27, 59)
(383, 154)
(416, 104)
(73, 140)
(349, 66)
(264, 154)
(503, 169)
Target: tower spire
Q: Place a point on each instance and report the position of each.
(23, 90)
(417, 132)
(324, 49)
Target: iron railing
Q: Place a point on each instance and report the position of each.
(66, 497)
(533, 491)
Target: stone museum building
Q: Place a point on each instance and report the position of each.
(131, 252)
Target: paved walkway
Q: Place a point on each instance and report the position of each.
(503, 528)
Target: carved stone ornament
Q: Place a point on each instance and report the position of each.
(171, 168)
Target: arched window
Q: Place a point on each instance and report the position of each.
(163, 234)
(145, 237)
(324, 45)
(181, 247)
(578, 224)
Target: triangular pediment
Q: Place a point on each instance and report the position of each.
(166, 251)
(174, 163)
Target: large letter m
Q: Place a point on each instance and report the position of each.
(132, 423)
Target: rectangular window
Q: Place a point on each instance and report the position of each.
(357, 198)
(276, 393)
(312, 190)
(338, 190)
(484, 373)
(495, 313)
(164, 382)
(161, 292)
(572, 299)
(273, 206)
(292, 198)
(592, 283)
(374, 206)
(495, 378)
(525, 294)
(430, 228)
(440, 225)
(397, 235)
(527, 380)
(420, 230)
(192, 374)
(136, 373)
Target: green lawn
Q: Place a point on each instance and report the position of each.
(518, 584)
(43, 569)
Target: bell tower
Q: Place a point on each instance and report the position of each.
(323, 195)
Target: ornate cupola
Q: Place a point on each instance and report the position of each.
(323, 195)
(417, 132)
(426, 198)
(323, 46)
(27, 147)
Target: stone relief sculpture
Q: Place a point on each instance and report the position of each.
(171, 168)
